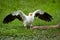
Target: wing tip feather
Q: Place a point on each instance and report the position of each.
(8, 18)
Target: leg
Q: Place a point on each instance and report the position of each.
(25, 26)
(31, 26)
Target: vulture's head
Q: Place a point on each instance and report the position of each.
(30, 14)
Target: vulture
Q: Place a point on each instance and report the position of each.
(27, 19)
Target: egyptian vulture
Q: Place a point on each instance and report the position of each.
(27, 20)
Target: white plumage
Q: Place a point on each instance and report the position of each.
(27, 20)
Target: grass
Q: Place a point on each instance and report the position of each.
(15, 29)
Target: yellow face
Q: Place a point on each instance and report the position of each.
(30, 14)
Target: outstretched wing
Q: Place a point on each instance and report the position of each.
(17, 14)
(42, 15)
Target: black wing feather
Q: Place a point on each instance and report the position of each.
(10, 18)
(44, 16)
(20, 18)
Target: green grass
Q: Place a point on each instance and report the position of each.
(16, 29)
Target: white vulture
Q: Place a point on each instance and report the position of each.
(27, 20)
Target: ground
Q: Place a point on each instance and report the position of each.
(15, 30)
